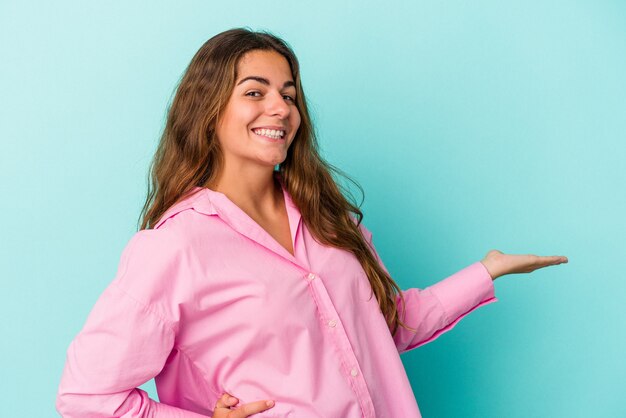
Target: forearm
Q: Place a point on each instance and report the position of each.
(438, 308)
(131, 404)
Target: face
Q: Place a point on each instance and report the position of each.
(261, 117)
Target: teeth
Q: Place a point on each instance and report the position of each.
(271, 133)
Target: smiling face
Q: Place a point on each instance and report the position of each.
(261, 118)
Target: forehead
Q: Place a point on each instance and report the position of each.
(267, 64)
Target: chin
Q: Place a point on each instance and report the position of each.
(274, 160)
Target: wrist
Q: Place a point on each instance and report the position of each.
(491, 269)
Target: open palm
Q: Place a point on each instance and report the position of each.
(499, 264)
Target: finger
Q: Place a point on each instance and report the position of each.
(551, 260)
(251, 409)
(556, 259)
(226, 401)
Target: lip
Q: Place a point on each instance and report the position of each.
(274, 127)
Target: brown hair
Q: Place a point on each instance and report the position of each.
(189, 155)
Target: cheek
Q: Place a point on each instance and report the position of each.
(236, 121)
(295, 122)
(246, 115)
(240, 114)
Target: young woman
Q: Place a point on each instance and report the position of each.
(251, 290)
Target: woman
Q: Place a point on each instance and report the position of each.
(251, 290)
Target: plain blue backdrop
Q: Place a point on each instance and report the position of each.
(470, 125)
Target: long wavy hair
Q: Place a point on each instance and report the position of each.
(189, 155)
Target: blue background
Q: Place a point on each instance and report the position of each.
(470, 125)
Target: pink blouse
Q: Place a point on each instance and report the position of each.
(208, 302)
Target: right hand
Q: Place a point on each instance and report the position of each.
(498, 264)
(222, 408)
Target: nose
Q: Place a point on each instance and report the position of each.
(276, 106)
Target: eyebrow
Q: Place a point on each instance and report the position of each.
(265, 81)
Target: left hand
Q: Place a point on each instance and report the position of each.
(498, 264)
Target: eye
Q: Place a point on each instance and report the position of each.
(251, 93)
(288, 97)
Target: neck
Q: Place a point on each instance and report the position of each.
(254, 189)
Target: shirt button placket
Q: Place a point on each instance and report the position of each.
(327, 310)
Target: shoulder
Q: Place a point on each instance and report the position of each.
(148, 261)
(152, 259)
(174, 230)
(180, 214)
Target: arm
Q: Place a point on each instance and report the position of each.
(123, 344)
(438, 308)
(462, 293)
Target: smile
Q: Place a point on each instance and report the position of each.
(270, 133)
